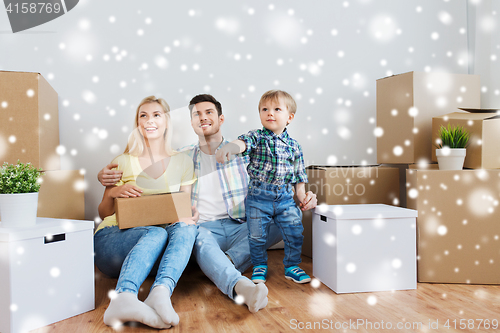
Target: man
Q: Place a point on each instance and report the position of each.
(221, 248)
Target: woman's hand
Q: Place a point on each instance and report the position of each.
(125, 191)
(193, 219)
(108, 177)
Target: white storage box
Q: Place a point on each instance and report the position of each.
(46, 273)
(361, 248)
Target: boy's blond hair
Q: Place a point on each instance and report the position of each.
(275, 95)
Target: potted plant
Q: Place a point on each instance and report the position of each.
(451, 151)
(19, 188)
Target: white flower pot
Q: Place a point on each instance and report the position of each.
(451, 159)
(18, 210)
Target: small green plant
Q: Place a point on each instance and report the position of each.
(19, 178)
(453, 137)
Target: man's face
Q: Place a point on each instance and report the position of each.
(205, 120)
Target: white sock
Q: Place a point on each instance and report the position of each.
(254, 295)
(159, 300)
(126, 307)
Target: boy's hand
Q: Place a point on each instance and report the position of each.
(224, 153)
(309, 201)
(232, 148)
(108, 177)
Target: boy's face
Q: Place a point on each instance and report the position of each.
(274, 115)
(205, 119)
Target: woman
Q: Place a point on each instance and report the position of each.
(149, 166)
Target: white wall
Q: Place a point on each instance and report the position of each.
(103, 57)
(484, 44)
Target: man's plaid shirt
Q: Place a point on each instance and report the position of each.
(233, 180)
(274, 159)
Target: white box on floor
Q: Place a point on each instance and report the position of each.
(361, 248)
(46, 273)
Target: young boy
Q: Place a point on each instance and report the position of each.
(276, 162)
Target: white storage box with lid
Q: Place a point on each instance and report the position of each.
(46, 273)
(362, 248)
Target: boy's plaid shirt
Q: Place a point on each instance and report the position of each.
(233, 180)
(274, 159)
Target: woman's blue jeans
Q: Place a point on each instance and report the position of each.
(131, 254)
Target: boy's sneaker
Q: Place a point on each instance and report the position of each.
(296, 274)
(259, 274)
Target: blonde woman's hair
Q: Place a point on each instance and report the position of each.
(275, 95)
(136, 143)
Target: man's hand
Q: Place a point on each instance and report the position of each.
(125, 191)
(309, 201)
(108, 177)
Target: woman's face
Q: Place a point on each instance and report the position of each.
(152, 121)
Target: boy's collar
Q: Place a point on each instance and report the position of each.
(283, 134)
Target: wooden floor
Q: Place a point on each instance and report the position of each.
(303, 308)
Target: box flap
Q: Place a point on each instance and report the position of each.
(468, 116)
(388, 77)
(360, 212)
(44, 226)
(487, 113)
(471, 110)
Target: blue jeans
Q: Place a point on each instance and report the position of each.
(264, 203)
(131, 254)
(226, 236)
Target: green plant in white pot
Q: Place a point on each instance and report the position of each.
(452, 148)
(19, 186)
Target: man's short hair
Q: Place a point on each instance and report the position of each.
(205, 98)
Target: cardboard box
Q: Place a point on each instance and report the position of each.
(361, 248)
(406, 104)
(29, 120)
(483, 151)
(46, 273)
(458, 225)
(349, 185)
(62, 195)
(152, 209)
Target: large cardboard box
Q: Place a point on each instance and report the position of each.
(406, 104)
(46, 273)
(349, 185)
(62, 195)
(152, 209)
(29, 120)
(483, 151)
(458, 224)
(362, 248)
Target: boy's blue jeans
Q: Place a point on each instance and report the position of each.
(264, 203)
(131, 254)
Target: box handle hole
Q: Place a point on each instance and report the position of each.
(54, 238)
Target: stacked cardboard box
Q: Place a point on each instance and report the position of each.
(456, 226)
(29, 132)
(406, 104)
